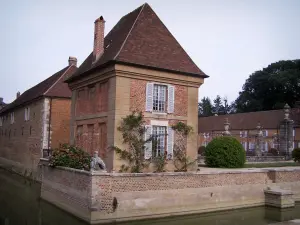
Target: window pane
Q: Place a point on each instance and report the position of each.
(159, 98)
(159, 133)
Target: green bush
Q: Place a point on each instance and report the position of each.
(296, 154)
(201, 150)
(225, 152)
(70, 156)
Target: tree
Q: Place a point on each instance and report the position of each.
(205, 107)
(218, 107)
(271, 87)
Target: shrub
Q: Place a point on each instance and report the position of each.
(160, 162)
(296, 155)
(273, 151)
(201, 150)
(70, 156)
(226, 152)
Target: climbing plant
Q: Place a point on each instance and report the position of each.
(181, 160)
(133, 132)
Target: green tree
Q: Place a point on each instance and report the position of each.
(205, 107)
(271, 87)
(218, 107)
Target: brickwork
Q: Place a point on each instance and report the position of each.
(60, 121)
(181, 100)
(137, 95)
(92, 99)
(116, 196)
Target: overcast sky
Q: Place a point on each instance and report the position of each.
(228, 39)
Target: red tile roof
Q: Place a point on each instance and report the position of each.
(140, 38)
(246, 121)
(53, 86)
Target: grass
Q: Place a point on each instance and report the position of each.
(264, 165)
(275, 164)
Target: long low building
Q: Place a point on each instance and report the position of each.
(243, 126)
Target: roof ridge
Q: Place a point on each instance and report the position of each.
(57, 80)
(129, 32)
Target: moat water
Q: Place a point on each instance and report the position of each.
(20, 204)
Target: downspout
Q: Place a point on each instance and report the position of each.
(49, 126)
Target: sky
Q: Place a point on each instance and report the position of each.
(228, 40)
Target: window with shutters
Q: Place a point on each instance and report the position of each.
(159, 98)
(159, 142)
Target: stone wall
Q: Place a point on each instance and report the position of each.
(21, 142)
(106, 197)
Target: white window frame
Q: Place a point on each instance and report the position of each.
(168, 98)
(12, 117)
(162, 97)
(27, 114)
(162, 132)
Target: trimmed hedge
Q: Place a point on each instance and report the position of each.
(296, 155)
(225, 152)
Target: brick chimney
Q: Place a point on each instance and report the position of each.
(18, 94)
(98, 38)
(72, 61)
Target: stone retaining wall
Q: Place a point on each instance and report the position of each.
(105, 197)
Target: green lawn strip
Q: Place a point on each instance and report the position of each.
(262, 165)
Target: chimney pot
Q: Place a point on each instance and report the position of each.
(98, 38)
(18, 94)
(72, 61)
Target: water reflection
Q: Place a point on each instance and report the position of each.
(20, 205)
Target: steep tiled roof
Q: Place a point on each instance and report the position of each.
(140, 38)
(53, 86)
(246, 121)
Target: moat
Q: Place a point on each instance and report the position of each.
(20, 204)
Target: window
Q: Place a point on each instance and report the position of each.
(92, 91)
(159, 98)
(27, 114)
(163, 136)
(1, 121)
(12, 117)
(159, 142)
(265, 133)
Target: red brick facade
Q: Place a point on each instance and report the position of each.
(91, 134)
(60, 121)
(92, 99)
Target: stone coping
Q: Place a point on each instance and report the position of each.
(204, 171)
(278, 191)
